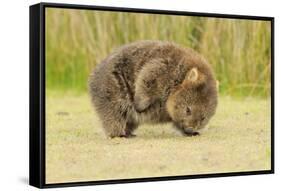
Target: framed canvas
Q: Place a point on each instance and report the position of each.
(121, 95)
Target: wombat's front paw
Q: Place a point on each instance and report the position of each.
(190, 134)
(141, 104)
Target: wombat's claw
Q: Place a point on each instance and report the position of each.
(128, 136)
(191, 134)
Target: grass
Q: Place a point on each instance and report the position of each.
(77, 40)
(238, 140)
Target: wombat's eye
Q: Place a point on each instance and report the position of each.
(176, 82)
(202, 118)
(188, 111)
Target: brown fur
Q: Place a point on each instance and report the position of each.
(153, 81)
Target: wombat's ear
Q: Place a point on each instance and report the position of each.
(192, 75)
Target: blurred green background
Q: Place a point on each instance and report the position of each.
(77, 40)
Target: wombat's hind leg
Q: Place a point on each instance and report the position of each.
(114, 129)
(130, 127)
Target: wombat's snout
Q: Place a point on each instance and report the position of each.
(190, 127)
(187, 130)
(197, 125)
(186, 127)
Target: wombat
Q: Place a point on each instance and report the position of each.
(154, 82)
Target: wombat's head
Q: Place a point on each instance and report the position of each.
(193, 102)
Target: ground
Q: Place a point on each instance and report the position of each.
(238, 139)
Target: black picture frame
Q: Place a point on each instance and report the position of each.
(37, 94)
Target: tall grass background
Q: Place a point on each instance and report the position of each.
(77, 40)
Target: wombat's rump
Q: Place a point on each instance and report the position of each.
(153, 81)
